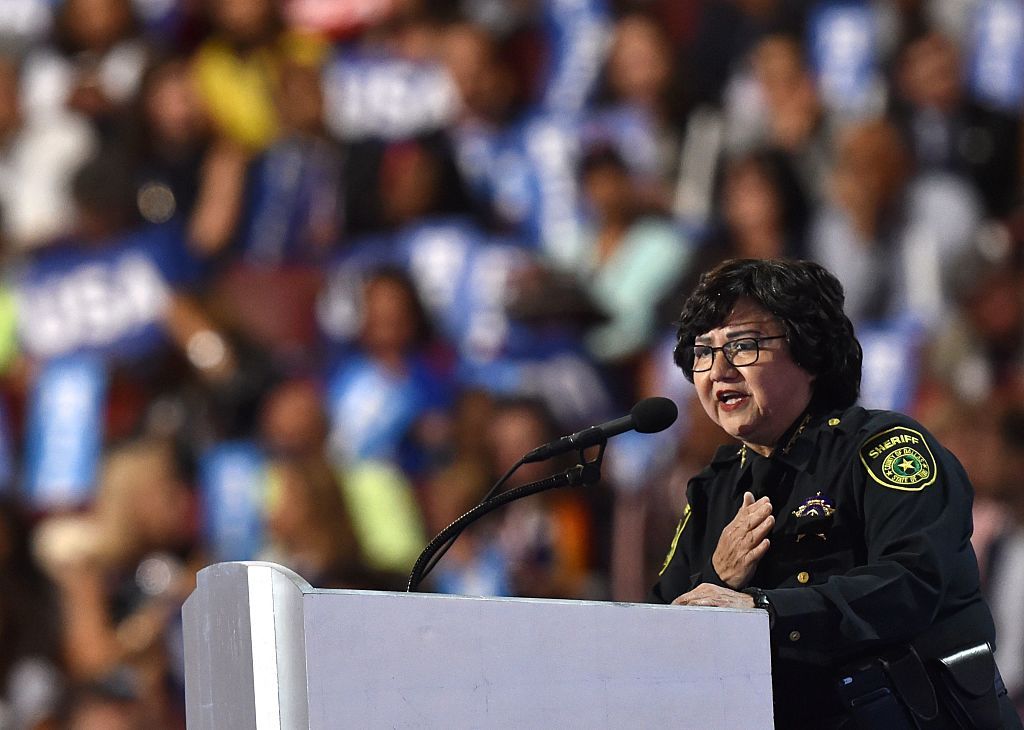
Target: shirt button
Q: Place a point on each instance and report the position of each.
(803, 576)
(794, 636)
(833, 422)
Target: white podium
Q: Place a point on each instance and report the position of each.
(265, 650)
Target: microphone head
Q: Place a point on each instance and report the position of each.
(654, 414)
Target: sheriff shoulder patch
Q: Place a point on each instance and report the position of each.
(899, 458)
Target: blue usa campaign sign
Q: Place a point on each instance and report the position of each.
(65, 432)
(107, 301)
(462, 276)
(368, 95)
(578, 35)
(533, 180)
(891, 356)
(843, 55)
(233, 482)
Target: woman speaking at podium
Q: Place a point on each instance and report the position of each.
(850, 527)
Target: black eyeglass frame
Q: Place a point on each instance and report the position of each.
(731, 345)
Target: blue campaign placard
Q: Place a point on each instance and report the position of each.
(367, 95)
(339, 305)
(233, 482)
(476, 145)
(996, 54)
(372, 408)
(465, 279)
(293, 207)
(486, 574)
(891, 353)
(533, 180)
(65, 432)
(107, 301)
(527, 173)
(843, 55)
(436, 253)
(556, 373)
(578, 33)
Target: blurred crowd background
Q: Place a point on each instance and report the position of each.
(297, 280)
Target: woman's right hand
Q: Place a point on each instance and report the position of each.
(744, 541)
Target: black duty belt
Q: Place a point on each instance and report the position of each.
(898, 690)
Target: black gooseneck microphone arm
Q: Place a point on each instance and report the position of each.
(442, 549)
(584, 473)
(650, 415)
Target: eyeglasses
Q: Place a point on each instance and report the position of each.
(738, 353)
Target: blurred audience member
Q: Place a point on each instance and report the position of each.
(1004, 567)
(643, 112)
(978, 354)
(725, 35)
(761, 212)
(776, 105)
(763, 207)
(945, 130)
(181, 171)
(892, 239)
(541, 546)
(122, 571)
(239, 64)
(289, 223)
(384, 399)
(548, 540)
(294, 207)
(292, 419)
(628, 259)
(855, 230)
(482, 78)
(37, 160)
(454, 486)
(94, 66)
(972, 432)
(393, 186)
(487, 92)
(309, 528)
(31, 657)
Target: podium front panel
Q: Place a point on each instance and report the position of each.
(366, 659)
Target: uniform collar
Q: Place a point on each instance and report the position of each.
(804, 448)
(788, 440)
(808, 443)
(726, 454)
(801, 438)
(799, 442)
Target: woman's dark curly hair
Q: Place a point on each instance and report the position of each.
(805, 297)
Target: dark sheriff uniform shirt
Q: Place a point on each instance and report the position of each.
(870, 548)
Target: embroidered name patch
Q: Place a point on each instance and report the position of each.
(899, 458)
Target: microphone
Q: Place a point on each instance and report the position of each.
(650, 415)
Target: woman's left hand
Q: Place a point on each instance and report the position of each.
(708, 594)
